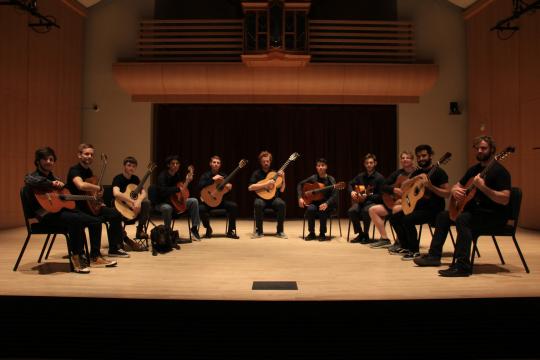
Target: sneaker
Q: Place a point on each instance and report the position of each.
(195, 233)
(397, 250)
(118, 253)
(256, 235)
(455, 271)
(322, 237)
(410, 255)
(79, 265)
(100, 261)
(281, 235)
(311, 236)
(357, 239)
(232, 235)
(394, 246)
(427, 260)
(366, 240)
(380, 243)
(209, 232)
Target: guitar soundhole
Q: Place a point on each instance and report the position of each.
(416, 191)
(132, 195)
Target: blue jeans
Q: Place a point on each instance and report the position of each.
(167, 210)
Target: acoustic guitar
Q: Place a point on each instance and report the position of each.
(416, 190)
(178, 200)
(456, 207)
(363, 192)
(212, 195)
(268, 194)
(96, 204)
(391, 200)
(133, 192)
(315, 191)
(52, 201)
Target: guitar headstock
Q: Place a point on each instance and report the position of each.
(152, 166)
(104, 158)
(191, 169)
(340, 185)
(294, 156)
(242, 163)
(505, 153)
(445, 158)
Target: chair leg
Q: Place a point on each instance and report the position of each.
(189, 227)
(50, 247)
(520, 254)
(475, 241)
(304, 227)
(71, 268)
(373, 232)
(349, 230)
(339, 224)
(430, 230)
(45, 246)
(498, 250)
(330, 218)
(420, 233)
(22, 252)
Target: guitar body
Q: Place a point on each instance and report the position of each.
(363, 193)
(211, 195)
(52, 202)
(309, 196)
(269, 194)
(411, 195)
(124, 208)
(178, 200)
(94, 205)
(456, 207)
(391, 200)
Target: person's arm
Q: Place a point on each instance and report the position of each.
(283, 184)
(253, 183)
(500, 197)
(38, 182)
(205, 180)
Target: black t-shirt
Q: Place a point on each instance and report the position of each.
(259, 175)
(122, 182)
(431, 200)
(375, 181)
(74, 171)
(497, 178)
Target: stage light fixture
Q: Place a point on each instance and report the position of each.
(44, 22)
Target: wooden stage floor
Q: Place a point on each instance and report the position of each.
(224, 269)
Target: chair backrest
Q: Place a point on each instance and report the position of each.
(27, 209)
(515, 205)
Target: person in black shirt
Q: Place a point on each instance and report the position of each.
(323, 207)
(208, 178)
(166, 186)
(372, 181)
(140, 206)
(486, 211)
(74, 220)
(77, 185)
(265, 160)
(426, 209)
(378, 212)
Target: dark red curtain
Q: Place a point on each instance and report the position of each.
(341, 134)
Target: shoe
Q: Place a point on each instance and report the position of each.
(411, 255)
(366, 240)
(118, 253)
(232, 235)
(209, 232)
(397, 251)
(281, 235)
(195, 233)
(311, 236)
(455, 271)
(133, 245)
(100, 261)
(394, 246)
(357, 239)
(79, 265)
(427, 260)
(141, 234)
(322, 237)
(257, 235)
(380, 243)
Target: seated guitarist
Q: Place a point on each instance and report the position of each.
(372, 181)
(140, 206)
(486, 211)
(426, 209)
(166, 186)
(208, 178)
(77, 185)
(74, 220)
(323, 207)
(378, 212)
(265, 160)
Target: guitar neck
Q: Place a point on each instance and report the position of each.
(76, 197)
(141, 184)
(282, 168)
(314, 191)
(228, 178)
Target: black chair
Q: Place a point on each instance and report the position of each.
(507, 230)
(220, 213)
(153, 197)
(33, 227)
(267, 212)
(333, 215)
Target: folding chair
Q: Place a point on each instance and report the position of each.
(153, 197)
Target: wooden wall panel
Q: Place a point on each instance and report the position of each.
(40, 96)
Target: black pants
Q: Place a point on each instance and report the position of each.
(405, 226)
(76, 221)
(467, 223)
(359, 212)
(230, 206)
(312, 212)
(279, 207)
(115, 232)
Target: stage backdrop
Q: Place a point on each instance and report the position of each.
(341, 134)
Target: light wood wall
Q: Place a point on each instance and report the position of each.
(504, 94)
(40, 95)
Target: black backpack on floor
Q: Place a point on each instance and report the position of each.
(163, 240)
